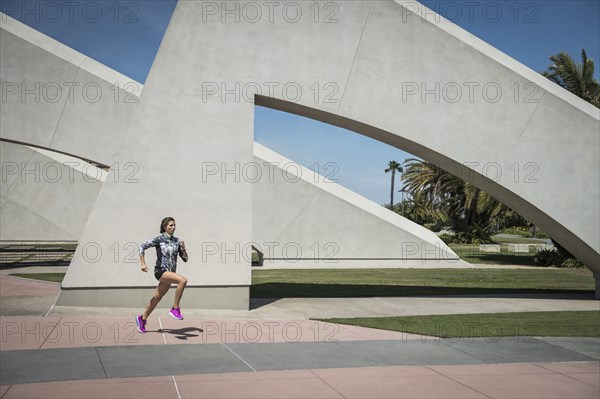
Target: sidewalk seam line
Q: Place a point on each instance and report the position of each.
(575, 379)
(358, 48)
(458, 382)
(567, 349)
(239, 357)
(563, 374)
(55, 327)
(162, 330)
(51, 307)
(463, 351)
(100, 360)
(9, 387)
(176, 388)
(326, 383)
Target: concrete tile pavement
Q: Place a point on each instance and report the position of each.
(35, 332)
(499, 381)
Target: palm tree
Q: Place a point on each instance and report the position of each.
(435, 183)
(577, 77)
(393, 167)
(418, 209)
(448, 198)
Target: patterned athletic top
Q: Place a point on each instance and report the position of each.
(167, 249)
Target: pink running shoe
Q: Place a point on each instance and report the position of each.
(176, 313)
(141, 324)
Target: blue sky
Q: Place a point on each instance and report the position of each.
(125, 35)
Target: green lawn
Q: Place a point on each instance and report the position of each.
(542, 324)
(332, 283)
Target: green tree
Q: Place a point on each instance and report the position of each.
(469, 211)
(393, 167)
(577, 77)
(417, 208)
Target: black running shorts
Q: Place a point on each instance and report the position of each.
(158, 273)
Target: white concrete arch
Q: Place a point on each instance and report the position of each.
(469, 171)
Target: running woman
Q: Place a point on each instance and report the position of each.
(167, 248)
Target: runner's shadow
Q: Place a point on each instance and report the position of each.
(182, 333)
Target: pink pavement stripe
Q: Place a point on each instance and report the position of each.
(501, 381)
(275, 388)
(401, 386)
(15, 286)
(26, 332)
(589, 378)
(147, 387)
(572, 367)
(491, 369)
(542, 386)
(7, 285)
(375, 334)
(36, 332)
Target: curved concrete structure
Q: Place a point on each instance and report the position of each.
(389, 70)
(49, 92)
(45, 196)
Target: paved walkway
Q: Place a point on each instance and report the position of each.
(275, 351)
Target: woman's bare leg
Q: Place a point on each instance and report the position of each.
(174, 278)
(161, 290)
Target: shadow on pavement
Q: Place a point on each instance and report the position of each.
(183, 333)
(295, 290)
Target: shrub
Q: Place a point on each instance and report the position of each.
(552, 257)
(447, 238)
(547, 257)
(571, 262)
(523, 231)
(465, 237)
(435, 227)
(517, 231)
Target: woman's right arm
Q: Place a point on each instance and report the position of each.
(148, 244)
(143, 263)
